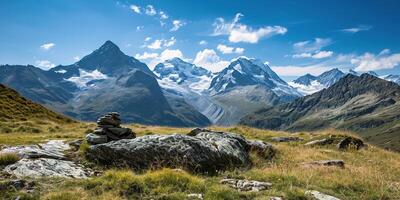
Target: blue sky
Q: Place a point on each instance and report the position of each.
(294, 37)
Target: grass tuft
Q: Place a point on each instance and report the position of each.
(8, 159)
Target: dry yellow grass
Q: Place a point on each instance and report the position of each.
(370, 173)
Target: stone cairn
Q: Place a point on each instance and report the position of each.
(109, 129)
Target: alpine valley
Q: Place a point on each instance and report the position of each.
(179, 93)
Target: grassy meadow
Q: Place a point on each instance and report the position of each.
(371, 173)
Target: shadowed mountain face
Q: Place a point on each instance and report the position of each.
(366, 104)
(105, 80)
(15, 107)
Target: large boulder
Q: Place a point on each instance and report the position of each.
(202, 151)
(52, 149)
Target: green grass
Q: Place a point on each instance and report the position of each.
(371, 173)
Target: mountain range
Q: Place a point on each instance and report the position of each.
(364, 104)
(179, 93)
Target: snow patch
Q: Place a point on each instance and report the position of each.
(314, 87)
(62, 71)
(85, 77)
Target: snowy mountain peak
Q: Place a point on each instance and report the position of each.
(245, 71)
(392, 78)
(178, 73)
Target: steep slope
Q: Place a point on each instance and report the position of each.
(44, 87)
(14, 107)
(366, 104)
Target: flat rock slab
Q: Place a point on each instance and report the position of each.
(338, 163)
(246, 185)
(51, 149)
(322, 142)
(206, 152)
(46, 167)
(286, 139)
(320, 196)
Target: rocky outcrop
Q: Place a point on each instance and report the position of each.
(109, 129)
(262, 148)
(246, 185)
(44, 160)
(350, 142)
(45, 167)
(201, 151)
(52, 149)
(286, 139)
(319, 195)
(338, 163)
(321, 142)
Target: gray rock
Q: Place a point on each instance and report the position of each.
(286, 139)
(319, 195)
(96, 139)
(76, 143)
(276, 198)
(350, 142)
(51, 149)
(45, 167)
(195, 196)
(246, 185)
(338, 163)
(262, 148)
(321, 142)
(119, 131)
(206, 152)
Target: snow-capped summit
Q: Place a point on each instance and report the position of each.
(393, 78)
(178, 72)
(247, 71)
(358, 74)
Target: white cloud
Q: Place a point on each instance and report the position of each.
(203, 42)
(155, 45)
(44, 64)
(163, 15)
(311, 45)
(150, 10)
(300, 70)
(138, 28)
(177, 24)
(371, 62)
(160, 43)
(239, 50)
(316, 55)
(238, 32)
(152, 59)
(209, 59)
(229, 50)
(147, 39)
(47, 46)
(384, 52)
(357, 29)
(135, 9)
(146, 55)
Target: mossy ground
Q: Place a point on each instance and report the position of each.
(370, 173)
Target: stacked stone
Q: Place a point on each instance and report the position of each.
(109, 129)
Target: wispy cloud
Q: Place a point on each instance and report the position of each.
(238, 32)
(177, 24)
(357, 29)
(44, 64)
(152, 59)
(203, 42)
(135, 9)
(160, 43)
(311, 45)
(371, 62)
(150, 10)
(47, 46)
(316, 55)
(229, 50)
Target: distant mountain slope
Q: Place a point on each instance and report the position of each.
(105, 80)
(15, 107)
(366, 104)
(393, 78)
